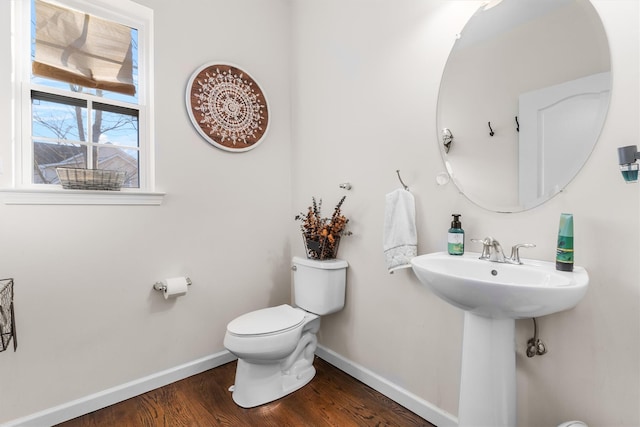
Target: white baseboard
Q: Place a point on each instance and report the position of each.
(93, 402)
(415, 404)
(108, 397)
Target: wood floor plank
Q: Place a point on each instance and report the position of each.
(331, 399)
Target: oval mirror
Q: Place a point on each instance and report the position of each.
(523, 98)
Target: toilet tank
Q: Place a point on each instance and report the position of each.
(319, 286)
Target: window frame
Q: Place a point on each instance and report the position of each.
(22, 190)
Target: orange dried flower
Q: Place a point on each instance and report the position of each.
(322, 235)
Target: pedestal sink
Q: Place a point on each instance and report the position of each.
(493, 295)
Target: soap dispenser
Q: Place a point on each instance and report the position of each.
(455, 238)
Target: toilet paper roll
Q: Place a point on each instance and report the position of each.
(175, 287)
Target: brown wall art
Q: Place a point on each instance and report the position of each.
(227, 107)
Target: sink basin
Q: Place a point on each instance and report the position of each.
(492, 296)
(499, 290)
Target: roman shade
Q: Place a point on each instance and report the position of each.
(81, 49)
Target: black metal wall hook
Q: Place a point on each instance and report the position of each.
(517, 124)
(491, 132)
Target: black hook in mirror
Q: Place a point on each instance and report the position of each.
(491, 133)
(517, 124)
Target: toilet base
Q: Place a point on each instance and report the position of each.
(266, 383)
(260, 383)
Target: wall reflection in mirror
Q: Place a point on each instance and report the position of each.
(525, 91)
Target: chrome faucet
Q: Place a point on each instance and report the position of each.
(492, 251)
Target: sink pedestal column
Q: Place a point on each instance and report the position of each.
(488, 378)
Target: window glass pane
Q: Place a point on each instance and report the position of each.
(59, 120)
(120, 159)
(118, 129)
(114, 125)
(48, 156)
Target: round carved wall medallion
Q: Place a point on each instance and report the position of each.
(227, 107)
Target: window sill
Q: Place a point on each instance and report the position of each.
(79, 197)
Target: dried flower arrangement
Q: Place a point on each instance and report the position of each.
(322, 235)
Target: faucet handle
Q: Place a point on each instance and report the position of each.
(515, 252)
(487, 242)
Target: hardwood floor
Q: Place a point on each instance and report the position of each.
(333, 398)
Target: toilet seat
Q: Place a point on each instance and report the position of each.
(267, 321)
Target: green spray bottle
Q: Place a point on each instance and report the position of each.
(564, 252)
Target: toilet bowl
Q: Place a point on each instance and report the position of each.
(267, 334)
(275, 346)
(573, 424)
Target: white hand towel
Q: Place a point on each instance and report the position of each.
(400, 240)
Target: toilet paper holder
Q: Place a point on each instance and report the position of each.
(159, 286)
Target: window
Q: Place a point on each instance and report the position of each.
(83, 90)
(70, 132)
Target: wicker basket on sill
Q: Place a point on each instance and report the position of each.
(90, 179)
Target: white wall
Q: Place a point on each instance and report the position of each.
(364, 83)
(87, 317)
(365, 105)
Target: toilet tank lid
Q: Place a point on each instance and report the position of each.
(328, 264)
(266, 321)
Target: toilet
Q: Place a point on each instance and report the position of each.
(275, 346)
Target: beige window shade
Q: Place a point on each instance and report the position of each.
(81, 49)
